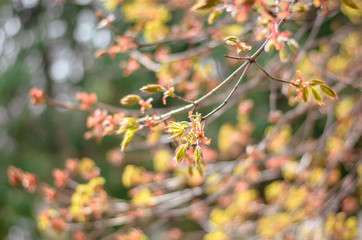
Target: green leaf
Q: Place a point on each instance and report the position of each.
(127, 139)
(180, 153)
(293, 45)
(205, 4)
(199, 169)
(190, 139)
(126, 124)
(305, 94)
(198, 157)
(269, 46)
(177, 129)
(317, 96)
(328, 91)
(350, 3)
(314, 82)
(298, 7)
(214, 15)
(190, 170)
(283, 54)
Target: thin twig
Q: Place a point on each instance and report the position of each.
(190, 106)
(191, 52)
(237, 58)
(230, 94)
(145, 61)
(183, 99)
(67, 106)
(173, 39)
(274, 78)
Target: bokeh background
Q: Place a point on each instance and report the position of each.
(49, 45)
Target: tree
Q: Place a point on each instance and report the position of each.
(285, 158)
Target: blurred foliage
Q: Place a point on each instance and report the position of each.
(50, 45)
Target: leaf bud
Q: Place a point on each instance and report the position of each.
(231, 40)
(153, 88)
(37, 96)
(130, 100)
(100, 53)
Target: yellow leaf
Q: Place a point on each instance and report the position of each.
(161, 160)
(205, 4)
(350, 3)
